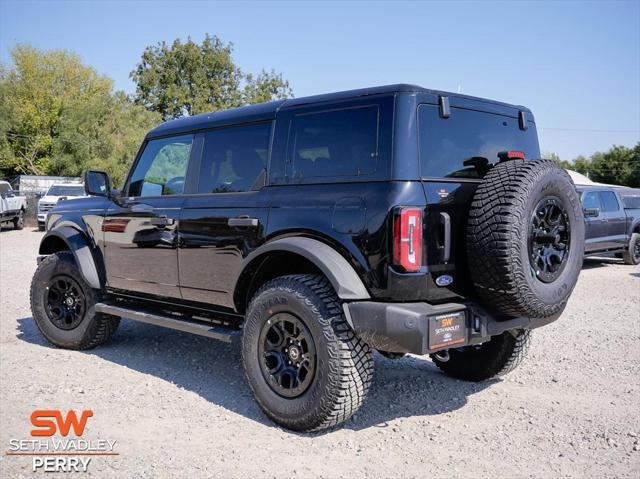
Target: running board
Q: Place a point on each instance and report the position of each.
(187, 325)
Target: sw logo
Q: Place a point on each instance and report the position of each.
(446, 322)
(60, 454)
(48, 427)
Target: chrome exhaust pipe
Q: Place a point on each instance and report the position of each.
(442, 356)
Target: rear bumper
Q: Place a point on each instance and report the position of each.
(404, 327)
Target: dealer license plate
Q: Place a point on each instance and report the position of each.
(447, 330)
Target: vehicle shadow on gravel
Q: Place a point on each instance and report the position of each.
(403, 387)
(600, 261)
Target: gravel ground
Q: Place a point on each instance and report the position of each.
(178, 404)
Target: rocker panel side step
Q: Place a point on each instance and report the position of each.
(186, 325)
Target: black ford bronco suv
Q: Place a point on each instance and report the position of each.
(317, 229)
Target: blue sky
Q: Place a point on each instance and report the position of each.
(575, 64)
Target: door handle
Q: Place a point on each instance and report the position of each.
(243, 221)
(445, 220)
(162, 220)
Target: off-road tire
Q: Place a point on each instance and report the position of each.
(628, 256)
(93, 330)
(497, 357)
(18, 221)
(41, 227)
(498, 233)
(344, 363)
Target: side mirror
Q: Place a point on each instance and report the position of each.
(591, 212)
(97, 183)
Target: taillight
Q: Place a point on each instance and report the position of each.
(407, 238)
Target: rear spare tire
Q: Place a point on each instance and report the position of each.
(525, 238)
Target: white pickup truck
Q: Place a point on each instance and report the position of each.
(12, 207)
(57, 192)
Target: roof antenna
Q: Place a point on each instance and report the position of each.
(459, 88)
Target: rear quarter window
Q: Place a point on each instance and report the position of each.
(631, 202)
(335, 143)
(467, 144)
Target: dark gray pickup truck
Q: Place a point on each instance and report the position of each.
(612, 220)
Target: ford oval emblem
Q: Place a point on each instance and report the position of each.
(444, 280)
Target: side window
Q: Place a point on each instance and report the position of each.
(4, 188)
(609, 201)
(162, 167)
(335, 143)
(590, 200)
(234, 159)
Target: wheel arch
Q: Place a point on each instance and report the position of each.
(67, 238)
(294, 255)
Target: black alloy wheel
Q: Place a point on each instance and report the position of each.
(549, 239)
(287, 355)
(65, 302)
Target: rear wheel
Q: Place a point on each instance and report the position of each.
(497, 357)
(62, 304)
(305, 365)
(632, 254)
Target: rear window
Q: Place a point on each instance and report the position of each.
(335, 143)
(467, 144)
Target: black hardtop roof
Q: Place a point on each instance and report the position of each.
(266, 111)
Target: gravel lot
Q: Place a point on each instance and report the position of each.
(179, 404)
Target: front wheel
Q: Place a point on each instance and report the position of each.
(62, 304)
(497, 357)
(18, 221)
(307, 368)
(632, 254)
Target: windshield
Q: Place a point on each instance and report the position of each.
(66, 190)
(467, 144)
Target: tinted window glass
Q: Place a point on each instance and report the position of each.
(335, 143)
(4, 188)
(448, 146)
(66, 190)
(234, 159)
(590, 200)
(162, 167)
(631, 202)
(609, 201)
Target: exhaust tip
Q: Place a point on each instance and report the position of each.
(442, 356)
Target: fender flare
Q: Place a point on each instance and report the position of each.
(333, 265)
(82, 251)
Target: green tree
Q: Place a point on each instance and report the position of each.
(59, 117)
(620, 165)
(189, 78)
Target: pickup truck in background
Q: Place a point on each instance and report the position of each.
(612, 221)
(57, 192)
(12, 206)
